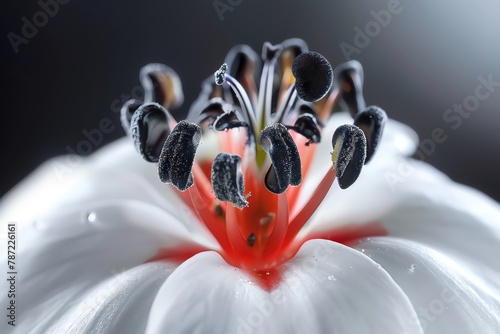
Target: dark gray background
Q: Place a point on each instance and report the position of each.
(67, 78)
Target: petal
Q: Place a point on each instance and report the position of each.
(68, 258)
(120, 304)
(114, 172)
(325, 288)
(448, 297)
(424, 206)
(456, 220)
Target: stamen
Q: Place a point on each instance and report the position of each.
(270, 53)
(228, 120)
(209, 91)
(227, 180)
(247, 112)
(259, 232)
(211, 109)
(301, 216)
(243, 63)
(220, 75)
(149, 127)
(287, 95)
(307, 126)
(309, 108)
(285, 169)
(372, 122)
(277, 237)
(349, 79)
(314, 76)
(177, 156)
(127, 111)
(161, 84)
(287, 104)
(349, 153)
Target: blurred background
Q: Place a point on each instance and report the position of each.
(70, 64)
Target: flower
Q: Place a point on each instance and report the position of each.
(276, 248)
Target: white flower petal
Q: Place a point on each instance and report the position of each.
(121, 304)
(325, 288)
(64, 257)
(448, 297)
(114, 172)
(426, 207)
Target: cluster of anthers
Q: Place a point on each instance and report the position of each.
(247, 195)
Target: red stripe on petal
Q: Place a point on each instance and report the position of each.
(177, 255)
(347, 234)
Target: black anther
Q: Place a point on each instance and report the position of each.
(227, 179)
(149, 127)
(162, 85)
(307, 126)
(177, 156)
(372, 122)
(349, 153)
(313, 74)
(127, 111)
(212, 109)
(228, 120)
(308, 108)
(349, 79)
(285, 169)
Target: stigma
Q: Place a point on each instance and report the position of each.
(239, 159)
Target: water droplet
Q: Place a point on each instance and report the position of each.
(246, 281)
(412, 269)
(91, 217)
(332, 278)
(363, 250)
(267, 273)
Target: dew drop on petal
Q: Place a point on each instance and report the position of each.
(246, 281)
(412, 268)
(332, 278)
(91, 217)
